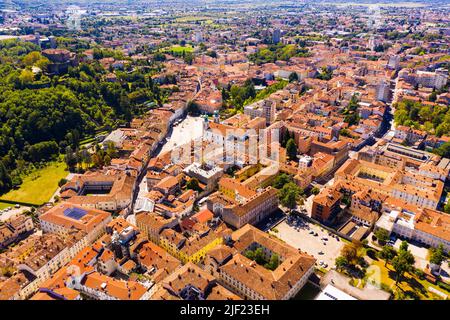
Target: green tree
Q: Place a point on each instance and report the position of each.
(350, 253)
(31, 58)
(107, 160)
(447, 207)
(382, 235)
(402, 263)
(443, 150)
(5, 179)
(26, 77)
(70, 158)
(259, 256)
(387, 253)
(249, 254)
(290, 194)
(315, 190)
(437, 255)
(433, 96)
(159, 56)
(281, 180)
(42, 151)
(286, 137)
(42, 64)
(188, 57)
(273, 262)
(193, 184)
(111, 150)
(403, 246)
(62, 182)
(291, 149)
(341, 262)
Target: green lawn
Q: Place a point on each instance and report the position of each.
(39, 186)
(180, 49)
(4, 205)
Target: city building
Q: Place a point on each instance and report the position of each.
(253, 281)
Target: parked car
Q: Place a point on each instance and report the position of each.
(17, 206)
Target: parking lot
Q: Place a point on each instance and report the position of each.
(301, 234)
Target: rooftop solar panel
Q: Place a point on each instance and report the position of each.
(75, 213)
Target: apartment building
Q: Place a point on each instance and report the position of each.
(195, 247)
(192, 283)
(253, 281)
(102, 287)
(152, 224)
(427, 226)
(238, 205)
(65, 217)
(326, 205)
(110, 191)
(13, 228)
(41, 257)
(404, 185)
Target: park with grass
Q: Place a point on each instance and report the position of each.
(391, 270)
(178, 49)
(411, 286)
(4, 205)
(38, 186)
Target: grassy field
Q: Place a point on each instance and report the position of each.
(4, 205)
(410, 284)
(180, 49)
(39, 186)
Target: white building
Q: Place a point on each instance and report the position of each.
(428, 226)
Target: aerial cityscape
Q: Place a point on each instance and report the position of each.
(224, 150)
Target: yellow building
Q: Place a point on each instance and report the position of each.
(233, 189)
(194, 248)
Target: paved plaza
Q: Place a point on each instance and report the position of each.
(296, 232)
